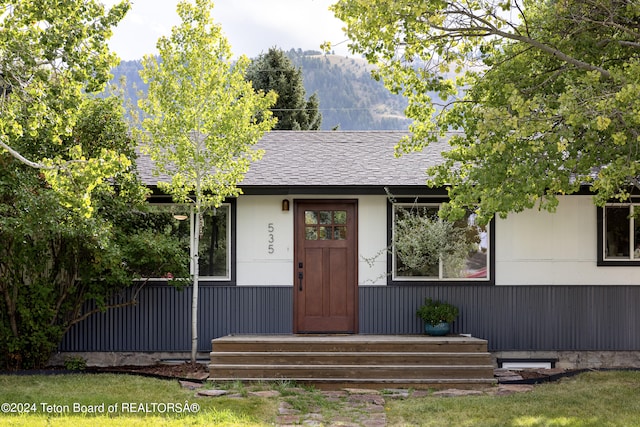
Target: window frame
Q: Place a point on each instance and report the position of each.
(392, 279)
(230, 278)
(230, 246)
(602, 260)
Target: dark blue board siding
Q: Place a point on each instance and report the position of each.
(509, 317)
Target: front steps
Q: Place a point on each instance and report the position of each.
(362, 361)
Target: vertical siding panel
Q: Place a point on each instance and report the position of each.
(509, 317)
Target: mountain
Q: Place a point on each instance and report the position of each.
(350, 99)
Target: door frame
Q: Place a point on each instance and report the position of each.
(297, 233)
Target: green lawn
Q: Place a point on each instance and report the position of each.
(121, 400)
(592, 399)
(595, 399)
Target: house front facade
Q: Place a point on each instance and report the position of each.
(308, 249)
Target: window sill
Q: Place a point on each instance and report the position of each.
(618, 263)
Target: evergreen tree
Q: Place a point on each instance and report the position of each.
(275, 71)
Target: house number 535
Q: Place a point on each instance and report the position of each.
(270, 238)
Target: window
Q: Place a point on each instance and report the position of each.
(620, 234)
(214, 256)
(325, 225)
(427, 248)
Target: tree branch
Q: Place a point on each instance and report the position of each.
(132, 301)
(486, 26)
(23, 159)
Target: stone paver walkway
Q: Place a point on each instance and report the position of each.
(352, 407)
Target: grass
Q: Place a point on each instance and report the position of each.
(135, 401)
(592, 399)
(595, 399)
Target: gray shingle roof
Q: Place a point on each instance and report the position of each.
(332, 158)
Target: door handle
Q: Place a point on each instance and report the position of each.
(300, 276)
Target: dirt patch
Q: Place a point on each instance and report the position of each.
(187, 370)
(533, 376)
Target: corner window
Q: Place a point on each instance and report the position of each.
(214, 256)
(428, 248)
(620, 234)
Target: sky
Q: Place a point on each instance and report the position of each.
(251, 26)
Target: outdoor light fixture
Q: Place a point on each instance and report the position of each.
(285, 205)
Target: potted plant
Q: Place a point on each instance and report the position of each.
(437, 316)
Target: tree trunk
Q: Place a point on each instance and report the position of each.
(194, 298)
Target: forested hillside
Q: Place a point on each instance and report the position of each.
(349, 98)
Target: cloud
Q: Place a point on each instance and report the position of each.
(251, 26)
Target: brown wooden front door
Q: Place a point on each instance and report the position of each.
(325, 266)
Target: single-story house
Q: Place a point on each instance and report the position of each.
(307, 249)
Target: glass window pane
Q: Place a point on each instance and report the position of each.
(310, 217)
(325, 217)
(405, 268)
(324, 233)
(340, 233)
(172, 222)
(213, 248)
(636, 236)
(471, 261)
(415, 250)
(617, 227)
(340, 217)
(311, 233)
(428, 247)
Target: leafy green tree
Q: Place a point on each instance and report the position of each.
(274, 71)
(54, 261)
(547, 93)
(201, 119)
(51, 52)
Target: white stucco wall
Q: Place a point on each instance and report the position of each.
(541, 248)
(261, 225)
(532, 247)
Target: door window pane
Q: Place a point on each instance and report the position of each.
(340, 233)
(340, 217)
(324, 233)
(325, 225)
(311, 233)
(310, 217)
(325, 217)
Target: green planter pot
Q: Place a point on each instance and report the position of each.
(438, 330)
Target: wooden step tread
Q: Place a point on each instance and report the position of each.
(337, 367)
(365, 380)
(341, 339)
(352, 353)
(348, 343)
